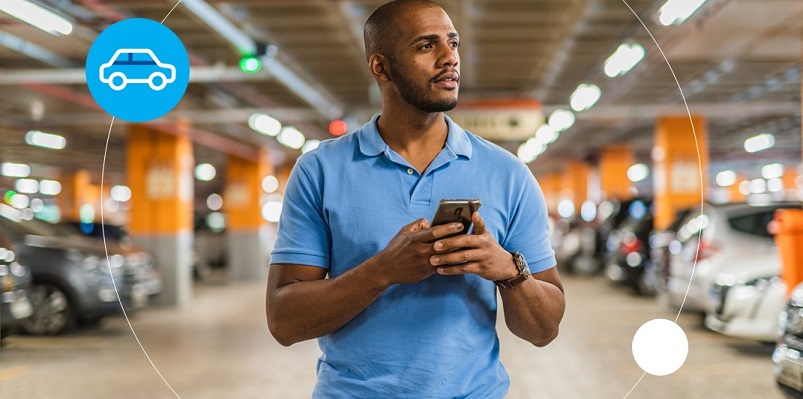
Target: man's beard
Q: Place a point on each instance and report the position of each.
(416, 96)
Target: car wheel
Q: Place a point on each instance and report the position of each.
(118, 76)
(153, 78)
(52, 313)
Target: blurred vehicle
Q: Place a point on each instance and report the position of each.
(747, 299)
(595, 238)
(657, 272)
(569, 242)
(627, 261)
(788, 354)
(726, 234)
(140, 266)
(72, 280)
(15, 283)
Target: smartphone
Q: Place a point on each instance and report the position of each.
(456, 210)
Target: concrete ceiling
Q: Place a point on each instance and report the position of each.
(736, 61)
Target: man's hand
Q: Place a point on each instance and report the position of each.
(478, 252)
(406, 258)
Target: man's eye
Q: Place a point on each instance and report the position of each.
(455, 44)
(428, 45)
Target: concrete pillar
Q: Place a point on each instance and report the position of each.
(249, 237)
(159, 169)
(676, 170)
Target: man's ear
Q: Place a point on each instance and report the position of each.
(380, 67)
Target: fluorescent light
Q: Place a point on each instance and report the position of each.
(726, 178)
(546, 134)
(270, 184)
(310, 145)
(37, 16)
(15, 169)
(37, 205)
(561, 119)
(27, 186)
(45, 140)
(744, 187)
(121, 193)
(19, 201)
(758, 186)
(676, 11)
(205, 172)
(775, 185)
(584, 97)
(769, 171)
(264, 124)
(214, 201)
(759, 143)
(49, 187)
(290, 137)
(271, 211)
(623, 59)
(530, 149)
(638, 172)
(566, 208)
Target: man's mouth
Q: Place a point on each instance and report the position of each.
(448, 77)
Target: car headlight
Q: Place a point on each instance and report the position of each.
(794, 320)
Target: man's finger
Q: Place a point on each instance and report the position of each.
(439, 231)
(463, 268)
(416, 225)
(479, 223)
(466, 255)
(458, 242)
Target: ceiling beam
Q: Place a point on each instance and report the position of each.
(198, 74)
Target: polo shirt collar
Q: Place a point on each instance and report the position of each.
(371, 143)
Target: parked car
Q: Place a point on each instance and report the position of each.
(788, 354)
(627, 262)
(140, 266)
(726, 234)
(72, 280)
(661, 243)
(747, 298)
(595, 238)
(15, 283)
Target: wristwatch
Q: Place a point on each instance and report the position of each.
(524, 273)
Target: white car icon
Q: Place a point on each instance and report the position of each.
(136, 65)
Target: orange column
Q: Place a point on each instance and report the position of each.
(551, 186)
(159, 170)
(614, 161)
(677, 166)
(249, 236)
(789, 180)
(575, 183)
(735, 194)
(74, 194)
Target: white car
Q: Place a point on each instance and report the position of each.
(788, 355)
(727, 234)
(136, 65)
(748, 298)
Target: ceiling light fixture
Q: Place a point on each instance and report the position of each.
(623, 59)
(264, 124)
(37, 16)
(726, 178)
(15, 169)
(291, 137)
(760, 142)
(677, 11)
(584, 97)
(561, 119)
(45, 140)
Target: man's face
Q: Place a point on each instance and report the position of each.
(425, 65)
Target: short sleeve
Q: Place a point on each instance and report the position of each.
(528, 231)
(303, 235)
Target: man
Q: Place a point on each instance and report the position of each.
(396, 318)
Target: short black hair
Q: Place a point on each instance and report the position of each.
(381, 30)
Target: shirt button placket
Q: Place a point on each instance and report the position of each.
(410, 171)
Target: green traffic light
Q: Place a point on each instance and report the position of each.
(250, 64)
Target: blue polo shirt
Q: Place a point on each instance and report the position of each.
(346, 200)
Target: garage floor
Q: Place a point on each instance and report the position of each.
(219, 347)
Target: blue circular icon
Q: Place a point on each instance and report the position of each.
(137, 70)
